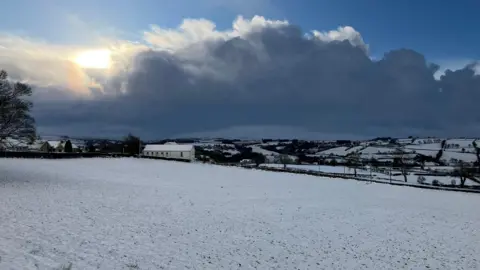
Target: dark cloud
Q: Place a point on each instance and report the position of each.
(276, 76)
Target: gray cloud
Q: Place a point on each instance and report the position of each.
(274, 76)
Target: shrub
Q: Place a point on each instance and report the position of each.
(421, 180)
(68, 147)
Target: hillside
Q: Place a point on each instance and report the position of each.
(150, 214)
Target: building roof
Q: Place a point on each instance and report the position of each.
(36, 146)
(56, 144)
(168, 147)
(12, 143)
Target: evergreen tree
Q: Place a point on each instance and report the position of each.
(68, 147)
(132, 144)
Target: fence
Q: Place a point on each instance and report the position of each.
(46, 155)
(366, 178)
(164, 158)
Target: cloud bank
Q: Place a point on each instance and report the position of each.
(259, 73)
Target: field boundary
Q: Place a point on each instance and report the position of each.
(362, 179)
(56, 155)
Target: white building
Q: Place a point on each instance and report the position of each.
(170, 151)
(58, 146)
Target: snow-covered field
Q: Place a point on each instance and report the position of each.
(317, 168)
(150, 214)
(339, 151)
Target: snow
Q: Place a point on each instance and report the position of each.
(427, 140)
(371, 150)
(11, 142)
(231, 151)
(462, 143)
(411, 177)
(258, 149)
(55, 144)
(211, 144)
(340, 151)
(404, 141)
(448, 155)
(466, 157)
(150, 214)
(316, 168)
(269, 143)
(429, 147)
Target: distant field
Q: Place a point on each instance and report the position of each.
(411, 177)
(150, 214)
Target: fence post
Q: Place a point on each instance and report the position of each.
(390, 174)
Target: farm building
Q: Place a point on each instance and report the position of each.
(9, 144)
(57, 146)
(170, 151)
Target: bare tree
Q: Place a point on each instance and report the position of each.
(400, 159)
(354, 161)
(477, 153)
(284, 159)
(462, 172)
(15, 119)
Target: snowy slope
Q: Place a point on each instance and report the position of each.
(448, 155)
(258, 149)
(149, 214)
(428, 147)
(340, 151)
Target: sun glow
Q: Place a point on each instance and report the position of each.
(99, 59)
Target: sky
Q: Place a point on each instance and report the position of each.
(244, 68)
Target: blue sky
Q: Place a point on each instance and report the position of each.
(439, 29)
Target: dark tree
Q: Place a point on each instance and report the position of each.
(15, 119)
(132, 144)
(89, 147)
(462, 172)
(400, 158)
(333, 162)
(68, 147)
(353, 160)
(439, 155)
(477, 153)
(443, 144)
(374, 162)
(258, 159)
(284, 159)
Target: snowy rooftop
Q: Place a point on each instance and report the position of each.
(56, 144)
(10, 142)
